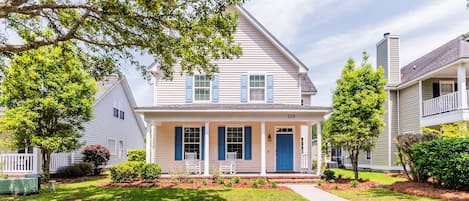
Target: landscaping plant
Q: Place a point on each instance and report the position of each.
(136, 155)
(273, 184)
(126, 171)
(150, 171)
(354, 183)
(98, 155)
(204, 182)
(254, 184)
(261, 181)
(229, 184)
(330, 174)
(236, 180)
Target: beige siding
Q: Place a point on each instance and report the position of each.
(409, 109)
(394, 67)
(394, 128)
(259, 55)
(306, 99)
(165, 146)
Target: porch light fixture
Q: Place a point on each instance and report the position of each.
(269, 137)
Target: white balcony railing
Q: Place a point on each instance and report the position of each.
(442, 104)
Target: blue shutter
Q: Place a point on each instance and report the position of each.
(203, 143)
(178, 143)
(247, 143)
(221, 143)
(189, 83)
(270, 88)
(215, 88)
(244, 88)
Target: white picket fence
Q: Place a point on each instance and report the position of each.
(441, 104)
(30, 163)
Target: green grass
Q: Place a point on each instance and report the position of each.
(378, 194)
(88, 191)
(377, 177)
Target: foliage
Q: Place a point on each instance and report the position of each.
(128, 171)
(136, 155)
(261, 181)
(406, 157)
(454, 130)
(336, 186)
(320, 182)
(229, 184)
(150, 171)
(273, 184)
(179, 174)
(204, 182)
(354, 183)
(47, 97)
(75, 170)
(254, 184)
(330, 174)
(215, 174)
(184, 31)
(445, 160)
(236, 180)
(357, 109)
(220, 181)
(191, 181)
(98, 155)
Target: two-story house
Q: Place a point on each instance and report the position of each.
(428, 92)
(258, 106)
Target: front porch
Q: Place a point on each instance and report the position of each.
(267, 141)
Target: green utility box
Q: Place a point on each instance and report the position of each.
(19, 186)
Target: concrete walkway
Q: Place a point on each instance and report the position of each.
(312, 193)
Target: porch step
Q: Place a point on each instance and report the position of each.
(294, 181)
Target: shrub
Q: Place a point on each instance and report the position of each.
(204, 182)
(126, 171)
(236, 180)
(254, 184)
(354, 183)
(320, 182)
(86, 167)
(191, 181)
(335, 187)
(215, 174)
(76, 170)
(96, 154)
(220, 181)
(446, 160)
(330, 174)
(261, 181)
(136, 155)
(229, 184)
(150, 171)
(273, 184)
(179, 174)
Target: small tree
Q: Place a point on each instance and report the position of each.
(47, 96)
(96, 154)
(357, 109)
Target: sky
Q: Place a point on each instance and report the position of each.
(325, 33)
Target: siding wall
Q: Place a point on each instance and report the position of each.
(382, 57)
(409, 109)
(105, 125)
(259, 55)
(306, 99)
(165, 146)
(394, 66)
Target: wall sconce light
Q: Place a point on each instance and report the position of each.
(269, 137)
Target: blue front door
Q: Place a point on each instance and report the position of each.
(284, 147)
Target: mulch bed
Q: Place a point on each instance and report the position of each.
(79, 179)
(428, 190)
(164, 183)
(344, 184)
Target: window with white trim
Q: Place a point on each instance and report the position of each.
(257, 87)
(118, 109)
(111, 146)
(234, 141)
(201, 88)
(192, 140)
(121, 148)
(446, 87)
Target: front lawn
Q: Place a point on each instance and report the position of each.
(88, 191)
(377, 177)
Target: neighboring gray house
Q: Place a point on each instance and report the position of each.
(428, 92)
(115, 125)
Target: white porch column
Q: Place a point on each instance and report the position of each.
(148, 143)
(36, 159)
(263, 160)
(309, 147)
(462, 99)
(154, 132)
(318, 127)
(207, 149)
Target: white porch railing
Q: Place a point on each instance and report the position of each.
(304, 162)
(16, 163)
(58, 160)
(441, 104)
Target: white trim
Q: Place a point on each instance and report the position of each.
(120, 153)
(420, 105)
(209, 90)
(390, 110)
(224, 110)
(249, 87)
(398, 112)
(115, 145)
(242, 143)
(275, 145)
(388, 43)
(200, 140)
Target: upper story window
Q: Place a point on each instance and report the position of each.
(201, 88)
(257, 87)
(118, 109)
(446, 87)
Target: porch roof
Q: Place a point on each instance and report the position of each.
(247, 107)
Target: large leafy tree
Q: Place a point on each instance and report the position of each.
(191, 32)
(357, 109)
(48, 96)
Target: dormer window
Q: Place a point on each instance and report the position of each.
(257, 87)
(201, 88)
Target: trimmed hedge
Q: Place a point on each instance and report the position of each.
(126, 171)
(446, 160)
(76, 170)
(96, 154)
(151, 171)
(136, 155)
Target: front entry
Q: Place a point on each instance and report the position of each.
(284, 152)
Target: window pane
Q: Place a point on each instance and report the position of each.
(446, 88)
(192, 140)
(201, 88)
(238, 148)
(257, 94)
(111, 145)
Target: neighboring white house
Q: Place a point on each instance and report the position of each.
(258, 107)
(428, 92)
(115, 125)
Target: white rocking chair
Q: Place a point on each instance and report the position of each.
(229, 164)
(192, 163)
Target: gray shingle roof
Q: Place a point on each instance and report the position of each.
(307, 85)
(105, 84)
(216, 107)
(451, 51)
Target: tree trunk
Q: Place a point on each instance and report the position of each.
(354, 160)
(46, 164)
